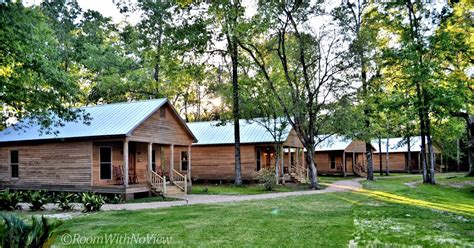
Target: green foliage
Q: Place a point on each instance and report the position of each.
(33, 82)
(37, 199)
(9, 199)
(92, 202)
(65, 200)
(114, 199)
(266, 177)
(16, 233)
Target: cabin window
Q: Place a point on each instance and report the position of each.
(184, 161)
(14, 163)
(163, 112)
(259, 159)
(106, 163)
(153, 160)
(333, 162)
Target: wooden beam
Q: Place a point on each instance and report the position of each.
(150, 156)
(189, 165)
(344, 163)
(171, 161)
(125, 162)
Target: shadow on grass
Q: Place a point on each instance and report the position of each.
(390, 197)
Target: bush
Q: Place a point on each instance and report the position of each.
(9, 200)
(92, 202)
(65, 200)
(115, 199)
(267, 178)
(37, 199)
(14, 232)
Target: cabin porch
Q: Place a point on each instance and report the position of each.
(291, 166)
(128, 167)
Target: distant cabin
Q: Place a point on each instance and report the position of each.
(340, 155)
(128, 148)
(214, 153)
(398, 154)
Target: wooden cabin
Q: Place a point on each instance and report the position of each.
(398, 154)
(214, 153)
(126, 148)
(341, 156)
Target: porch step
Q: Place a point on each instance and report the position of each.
(173, 190)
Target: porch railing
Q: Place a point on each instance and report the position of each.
(180, 180)
(301, 173)
(156, 181)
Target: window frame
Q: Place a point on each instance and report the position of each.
(258, 159)
(100, 163)
(332, 162)
(17, 164)
(153, 160)
(181, 160)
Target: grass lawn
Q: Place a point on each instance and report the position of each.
(253, 189)
(387, 213)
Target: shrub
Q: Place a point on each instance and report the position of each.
(37, 199)
(115, 199)
(92, 202)
(267, 178)
(9, 200)
(65, 200)
(14, 232)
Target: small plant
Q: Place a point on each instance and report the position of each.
(37, 199)
(92, 202)
(115, 199)
(14, 232)
(65, 200)
(9, 200)
(267, 178)
(205, 190)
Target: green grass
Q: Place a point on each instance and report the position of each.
(253, 189)
(371, 217)
(152, 199)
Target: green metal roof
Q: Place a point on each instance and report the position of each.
(251, 131)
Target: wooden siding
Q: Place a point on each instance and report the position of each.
(217, 162)
(167, 130)
(293, 140)
(59, 163)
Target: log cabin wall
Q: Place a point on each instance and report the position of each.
(47, 164)
(396, 162)
(162, 127)
(323, 161)
(216, 162)
(117, 161)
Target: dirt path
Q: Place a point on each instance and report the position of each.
(339, 186)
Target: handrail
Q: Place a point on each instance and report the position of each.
(158, 182)
(180, 180)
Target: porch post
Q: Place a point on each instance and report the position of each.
(353, 160)
(189, 165)
(125, 162)
(344, 163)
(289, 160)
(150, 154)
(171, 161)
(296, 158)
(283, 159)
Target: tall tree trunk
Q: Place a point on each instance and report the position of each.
(370, 167)
(235, 109)
(380, 156)
(387, 170)
(422, 132)
(409, 153)
(368, 145)
(430, 151)
(311, 167)
(278, 160)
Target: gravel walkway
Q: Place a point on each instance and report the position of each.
(339, 186)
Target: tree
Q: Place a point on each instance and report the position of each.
(311, 64)
(354, 21)
(34, 82)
